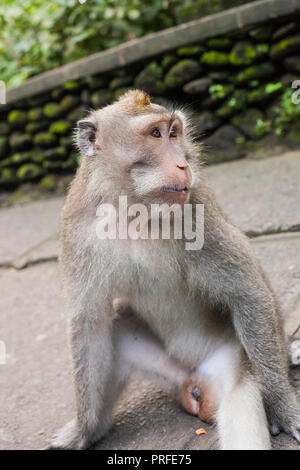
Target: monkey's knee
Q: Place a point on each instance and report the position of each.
(197, 397)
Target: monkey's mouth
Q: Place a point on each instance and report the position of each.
(175, 189)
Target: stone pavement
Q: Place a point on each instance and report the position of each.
(262, 197)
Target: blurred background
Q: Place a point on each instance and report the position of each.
(234, 66)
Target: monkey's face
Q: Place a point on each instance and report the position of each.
(141, 151)
(158, 169)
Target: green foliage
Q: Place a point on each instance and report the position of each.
(285, 112)
(38, 35)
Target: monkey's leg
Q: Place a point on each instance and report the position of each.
(97, 383)
(240, 414)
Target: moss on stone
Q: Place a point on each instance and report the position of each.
(35, 114)
(7, 177)
(18, 141)
(285, 47)
(219, 44)
(52, 110)
(220, 91)
(17, 118)
(245, 53)
(252, 122)
(36, 126)
(67, 142)
(101, 97)
(118, 82)
(60, 127)
(256, 72)
(234, 104)
(68, 102)
(150, 79)
(71, 86)
(45, 139)
(186, 51)
(29, 171)
(182, 72)
(48, 183)
(215, 59)
(264, 93)
(57, 94)
(168, 60)
(20, 157)
(38, 156)
(56, 153)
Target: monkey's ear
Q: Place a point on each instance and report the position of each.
(86, 137)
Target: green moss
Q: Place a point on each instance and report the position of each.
(3, 146)
(215, 59)
(120, 82)
(182, 72)
(52, 110)
(28, 172)
(256, 72)
(264, 93)
(35, 114)
(292, 64)
(59, 127)
(150, 79)
(168, 61)
(36, 126)
(48, 183)
(234, 104)
(68, 102)
(101, 98)
(45, 139)
(21, 157)
(219, 91)
(245, 53)
(7, 177)
(71, 86)
(190, 50)
(57, 94)
(17, 118)
(38, 156)
(252, 123)
(20, 141)
(285, 47)
(219, 44)
(56, 153)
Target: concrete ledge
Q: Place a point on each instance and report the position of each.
(156, 43)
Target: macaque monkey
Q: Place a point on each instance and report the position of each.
(206, 320)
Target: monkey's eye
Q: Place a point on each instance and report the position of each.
(155, 132)
(173, 132)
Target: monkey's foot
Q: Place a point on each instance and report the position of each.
(197, 398)
(70, 437)
(286, 416)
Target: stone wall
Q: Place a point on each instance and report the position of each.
(236, 86)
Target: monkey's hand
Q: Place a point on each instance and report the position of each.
(70, 437)
(284, 415)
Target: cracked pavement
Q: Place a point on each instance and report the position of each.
(262, 197)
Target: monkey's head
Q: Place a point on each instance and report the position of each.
(136, 148)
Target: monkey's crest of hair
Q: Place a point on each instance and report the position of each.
(135, 101)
